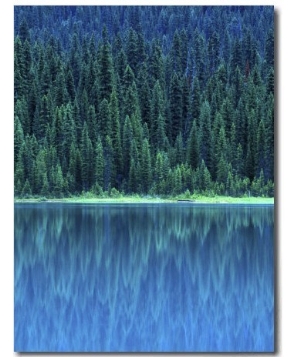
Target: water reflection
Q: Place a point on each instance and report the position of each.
(143, 278)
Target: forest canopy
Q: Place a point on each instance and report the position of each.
(152, 100)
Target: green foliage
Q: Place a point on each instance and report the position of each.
(114, 193)
(193, 147)
(175, 119)
(158, 108)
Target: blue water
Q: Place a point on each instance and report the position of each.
(159, 278)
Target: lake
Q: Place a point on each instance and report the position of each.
(143, 278)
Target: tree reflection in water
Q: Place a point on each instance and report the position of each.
(169, 277)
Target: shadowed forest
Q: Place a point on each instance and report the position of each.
(149, 100)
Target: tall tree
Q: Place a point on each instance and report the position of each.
(99, 168)
(193, 147)
(116, 137)
(106, 69)
(175, 121)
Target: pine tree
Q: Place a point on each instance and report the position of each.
(269, 48)
(106, 70)
(18, 137)
(185, 106)
(86, 151)
(260, 151)
(196, 101)
(175, 121)
(45, 187)
(213, 50)
(157, 128)
(132, 50)
(45, 114)
(146, 173)
(159, 173)
(19, 170)
(206, 139)
(144, 96)
(126, 143)
(58, 182)
(69, 135)
(156, 65)
(105, 127)
(179, 150)
(176, 53)
(237, 56)
(72, 174)
(26, 192)
(39, 172)
(93, 124)
(269, 133)
(133, 179)
(109, 168)
(99, 168)
(200, 60)
(221, 156)
(24, 31)
(238, 85)
(177, 185)
(270, 82)
(193, 155)
(61, 92)
(116, 137)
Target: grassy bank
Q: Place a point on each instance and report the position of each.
(149, 199)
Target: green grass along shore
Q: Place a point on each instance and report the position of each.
(149, 199)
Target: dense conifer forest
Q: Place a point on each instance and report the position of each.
(150, 100)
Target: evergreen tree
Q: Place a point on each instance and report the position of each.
(61, 95)
(72, 171)
(193, 158)
(109, 167)
(269, 48)
(176, 53)
(106, 70)
(58, 182)
(144, 96)
(99, 168)
(18, 137)
(116, 137)
(175, 121)
(86, 153)
(146, 173)
(196, 101)
(126, 143)
(145, 106)
(156, 65)
(206, 139)
(26, 192)
(179, 149)
(40, 181)
(133, 50)
(213, 50)
(105, 126)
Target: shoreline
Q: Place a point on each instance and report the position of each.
(135, 199)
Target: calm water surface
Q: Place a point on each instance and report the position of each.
(147, 277)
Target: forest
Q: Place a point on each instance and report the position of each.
(147, 100)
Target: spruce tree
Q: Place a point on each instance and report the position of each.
(86, 152)
(126, 143)
(175, 121)
(116, 137)
(193, 155)
(99, 167)
(146, 173)
(106, 70)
